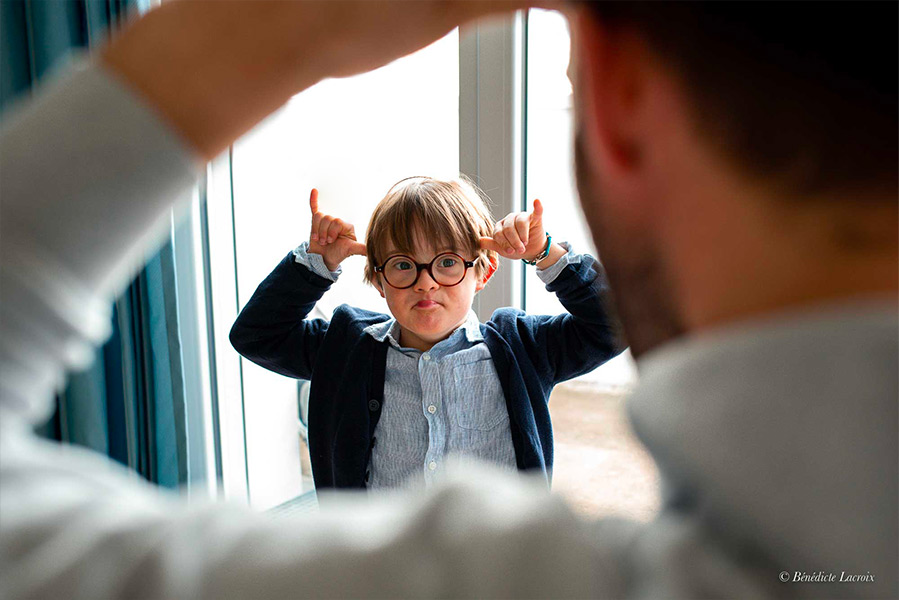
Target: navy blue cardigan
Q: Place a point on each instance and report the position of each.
(346, 366)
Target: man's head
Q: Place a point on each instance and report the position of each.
(736, 159)
(425, 221)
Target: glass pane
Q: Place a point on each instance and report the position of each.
(599, 467)
(550, 165)
(352, 139)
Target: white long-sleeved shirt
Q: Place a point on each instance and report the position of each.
(776, 440)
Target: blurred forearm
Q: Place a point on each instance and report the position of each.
(215, 69)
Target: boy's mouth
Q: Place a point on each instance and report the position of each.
(424, 304)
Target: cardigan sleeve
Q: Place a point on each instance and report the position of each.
(565, 346)
(272, 329)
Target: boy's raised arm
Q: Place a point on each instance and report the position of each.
(588, 334)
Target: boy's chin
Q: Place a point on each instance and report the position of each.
(431, 335)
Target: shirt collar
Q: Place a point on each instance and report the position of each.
(472, 328)
(388, 330)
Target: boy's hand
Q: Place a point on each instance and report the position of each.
(518, 235)
(332, 238)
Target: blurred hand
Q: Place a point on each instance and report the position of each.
(215, 69)
(334, 239)
(518, 235)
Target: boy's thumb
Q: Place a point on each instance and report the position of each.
(358, 249)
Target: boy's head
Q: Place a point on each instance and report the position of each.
(418, 223)
(448, 214)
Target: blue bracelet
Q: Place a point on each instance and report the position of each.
(542, 255)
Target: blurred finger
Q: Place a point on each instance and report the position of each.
(538, 209)
(313, 200)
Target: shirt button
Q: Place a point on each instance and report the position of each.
(373, 405)
(432, 409)
(432, 465)
(426, 356)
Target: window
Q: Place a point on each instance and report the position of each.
(352, 139)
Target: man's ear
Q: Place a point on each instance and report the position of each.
(608, 68)
(492, 262)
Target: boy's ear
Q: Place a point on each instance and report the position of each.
(378, 285)
(493, 262)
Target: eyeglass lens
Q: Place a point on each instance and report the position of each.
(446, 269)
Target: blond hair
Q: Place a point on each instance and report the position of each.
(451, 214)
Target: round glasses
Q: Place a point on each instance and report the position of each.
(447, 269)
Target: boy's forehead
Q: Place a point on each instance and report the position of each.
(421, 247)
(423, 244)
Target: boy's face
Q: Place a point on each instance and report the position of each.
(429, 312)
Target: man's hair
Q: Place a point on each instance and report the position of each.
(801, 96)
(448, 214)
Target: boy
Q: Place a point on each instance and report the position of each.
(393, 396)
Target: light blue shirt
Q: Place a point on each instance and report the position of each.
(444, 402)
(441, 403)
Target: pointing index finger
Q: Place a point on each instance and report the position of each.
(313, 200)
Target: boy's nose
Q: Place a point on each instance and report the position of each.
(425, 282)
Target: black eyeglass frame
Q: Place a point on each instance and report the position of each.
(425, 266)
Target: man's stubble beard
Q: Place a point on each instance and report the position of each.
(643, 297)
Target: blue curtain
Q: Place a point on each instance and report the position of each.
(130, 404)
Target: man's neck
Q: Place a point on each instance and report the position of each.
(773, 256)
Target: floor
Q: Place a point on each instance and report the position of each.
(600, 467)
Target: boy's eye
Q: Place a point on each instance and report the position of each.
(447, 262)
(402, 265)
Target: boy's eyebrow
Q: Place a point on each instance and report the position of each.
(437, 252)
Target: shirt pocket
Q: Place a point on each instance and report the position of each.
(480, 404)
